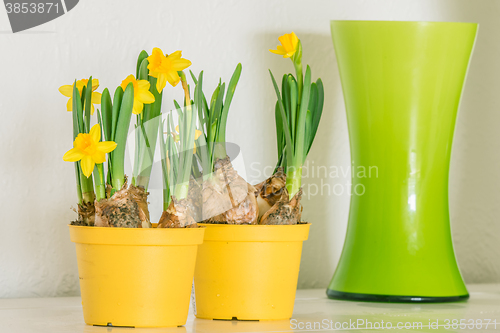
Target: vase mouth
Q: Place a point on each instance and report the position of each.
(398, 22)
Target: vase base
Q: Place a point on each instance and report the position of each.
(340, 295)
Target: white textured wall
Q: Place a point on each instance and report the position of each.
(102, 38)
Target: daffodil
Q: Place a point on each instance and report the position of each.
(142, 95)
(67, 90)
(88, 150)
(165, 67)
(288, 47)
(197, 134)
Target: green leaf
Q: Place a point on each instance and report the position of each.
(288, 137)
(217, 111)
(280, 136)
(193, 77)
(231, 88)
(122, 126)
(301, 122)
(292, 84)
(88, 104)
(311, 110)
(106, 109)
(213, 101)
(199, 103)
(176, 105)
(143, 55)
(117, 103)
(285, 96)
(156, 105)
(164, 167)
(316, 114)
(77, 112)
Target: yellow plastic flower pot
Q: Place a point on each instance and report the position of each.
(136, 277)
(248, 272)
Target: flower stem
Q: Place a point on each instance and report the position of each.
(186, 90)
(297, 63)
(88, 195)
(99, 182)
(181, 190)
(300, 79)
(78, 184)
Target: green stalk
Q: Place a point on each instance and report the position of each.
(293, 180)
(87, 187)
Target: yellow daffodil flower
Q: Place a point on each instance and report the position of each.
(288, 47)
(88, 150)
(165, 67)
(177, 137)
(142, 95)
(67, 90)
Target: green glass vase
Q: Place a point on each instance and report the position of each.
(402, 83)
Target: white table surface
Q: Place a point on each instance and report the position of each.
(64, 314)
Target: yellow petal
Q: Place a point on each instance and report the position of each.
(145, 96)
(286, 42)
(73, 155)
(174, 56)
(154, 73)
(66, 90)
(99, 157)
(181, 64)
(106, 146)
(173, 78)
(127, 80)
(155, 60)
(95, 133)
(92, 109)
(143, 84)
(95, 84)
(294, 39)
(197, 134)
(87, 164)
(279, 50)
(69, 105)
(161, 82)
(177, 128)
(96, 98)
(138, 106)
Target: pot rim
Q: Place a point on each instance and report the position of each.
(256, 233)
(136, 236)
